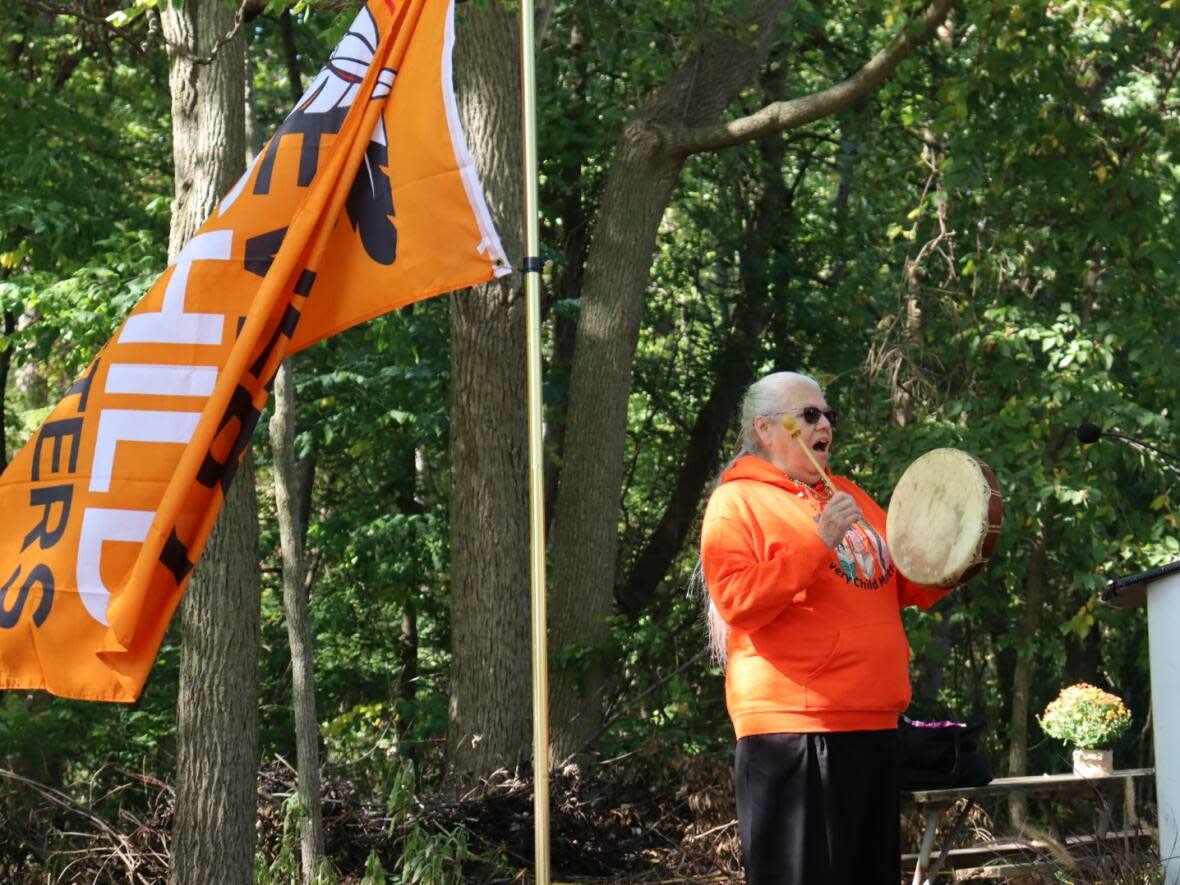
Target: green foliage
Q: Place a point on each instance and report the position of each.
(372, 409)
(40, 735)
(1032, 289)
(427, 856)
(374, 872)
(1037, 307)
(433, 858)
(285, 865)
(80, 239)
(980, 254)
(667, 690)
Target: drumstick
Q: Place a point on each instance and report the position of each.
(795, 430)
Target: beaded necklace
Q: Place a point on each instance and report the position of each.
(816, 496)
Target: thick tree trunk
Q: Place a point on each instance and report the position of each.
(217, 753)
(585, 529)
(573, 211)
(761, 291)
(639, 185)
(288, 497)
(213, 835)
(208, 111)
(490, 718)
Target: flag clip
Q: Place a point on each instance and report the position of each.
(532, 264)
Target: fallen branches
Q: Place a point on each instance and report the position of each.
(656, 818)
(76, 839)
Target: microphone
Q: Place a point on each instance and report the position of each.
(1089, 433)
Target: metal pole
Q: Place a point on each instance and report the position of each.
(532, 284)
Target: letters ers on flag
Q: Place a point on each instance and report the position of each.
(365, 200)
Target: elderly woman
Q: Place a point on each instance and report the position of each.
(806, 601)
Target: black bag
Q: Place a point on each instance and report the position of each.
(937, 755)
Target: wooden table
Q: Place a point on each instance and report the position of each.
(935, 803)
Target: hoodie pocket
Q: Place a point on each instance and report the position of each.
(869, 669)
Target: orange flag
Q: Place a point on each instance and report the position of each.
(365, 200)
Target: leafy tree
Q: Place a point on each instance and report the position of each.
(975, 253)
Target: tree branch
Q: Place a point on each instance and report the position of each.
(62, 9)
(247, 10)
(118, 841)
(799, 111)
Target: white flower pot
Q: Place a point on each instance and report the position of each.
(1093, 763)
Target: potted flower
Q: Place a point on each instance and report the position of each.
(1090, 719)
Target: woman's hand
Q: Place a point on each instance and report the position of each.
(841, 512)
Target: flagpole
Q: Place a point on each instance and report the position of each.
(532, 289)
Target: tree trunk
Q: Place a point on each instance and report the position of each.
(292, 480)
(208, 111)
(570, 207)
(642, 177)
(585, 524)
(288, 497)
(9, 320)
(1034, 586)
(213, 834)
(291, 56)
(409, 482)
(1034, 591)
(407, 681)
(217, 753)
(490, 710)
(760, 296)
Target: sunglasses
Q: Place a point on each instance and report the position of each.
(811, 414)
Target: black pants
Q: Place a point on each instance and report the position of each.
(819, 809)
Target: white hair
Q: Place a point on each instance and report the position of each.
(763, 397)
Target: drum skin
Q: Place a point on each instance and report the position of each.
(944, 518)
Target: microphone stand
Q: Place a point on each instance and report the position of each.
(1141, 445)
(1089, 433)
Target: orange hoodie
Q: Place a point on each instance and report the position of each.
(816, 641)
